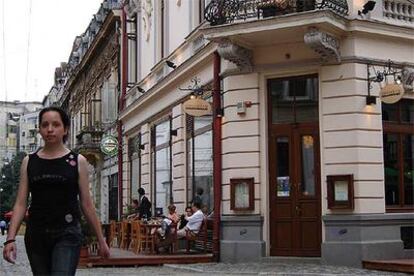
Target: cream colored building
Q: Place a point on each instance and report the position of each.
(297, 110)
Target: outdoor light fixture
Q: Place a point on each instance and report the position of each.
(219, 112)
(369, 6)
(141, 146)
(140, 89)
(174, 132)
(371, 100)
(171, 64)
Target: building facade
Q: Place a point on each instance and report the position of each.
(87, 87)
(12, 124)
(301, 155)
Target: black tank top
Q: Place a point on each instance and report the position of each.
(53, 184)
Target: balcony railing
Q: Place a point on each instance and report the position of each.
(220, 12)
(89, 139)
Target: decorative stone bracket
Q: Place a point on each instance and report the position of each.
(132, 7)
(326, 45)
(407, 79)
(240, 56)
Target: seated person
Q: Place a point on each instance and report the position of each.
(172, 217)
(133, 214)
(194, 221)
(183, 221)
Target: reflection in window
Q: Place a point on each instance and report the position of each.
(200, 161)
(408, 166)
(135, 165)
(283, 179)
(391, 170)
(308, 166)
(294, 99)
(398, 145)
(162, 166)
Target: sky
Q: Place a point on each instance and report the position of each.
(36, 36)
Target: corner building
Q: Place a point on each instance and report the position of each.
(300, 155)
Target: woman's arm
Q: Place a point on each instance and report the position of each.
(88, 208)
(19, 211)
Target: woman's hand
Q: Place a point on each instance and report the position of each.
(9, 252)
(103, 250)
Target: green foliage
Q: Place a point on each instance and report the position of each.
(9, 182)
(88, 235)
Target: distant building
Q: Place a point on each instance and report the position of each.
(10, 127)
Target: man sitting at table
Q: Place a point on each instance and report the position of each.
(194, 221)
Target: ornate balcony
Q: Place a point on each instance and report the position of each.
(88, 143)
(220, 12)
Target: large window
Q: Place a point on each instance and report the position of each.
(294, 99)
(398, 120)
(200, 161)
(162, 166)
(134, 154)
(113, 196)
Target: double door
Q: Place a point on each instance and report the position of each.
(295, 212)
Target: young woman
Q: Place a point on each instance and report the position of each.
(55, 177)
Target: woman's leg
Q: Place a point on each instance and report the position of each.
(38, 251)
(65, 256)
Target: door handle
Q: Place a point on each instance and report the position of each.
(298, 210)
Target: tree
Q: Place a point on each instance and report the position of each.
(9, 182)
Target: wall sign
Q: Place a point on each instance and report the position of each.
(109, 145)
(340, 191)
(242, 194)
(391, 93)
(197, 107)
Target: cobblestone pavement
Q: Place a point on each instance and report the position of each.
(268, 266)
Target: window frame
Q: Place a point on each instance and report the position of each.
(191, 134)
(398, 128)
(154, 149)
(134, 152)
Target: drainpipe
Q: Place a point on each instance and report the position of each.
(217, 166)
(124, 80)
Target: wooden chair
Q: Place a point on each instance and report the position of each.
(200, 237)
(134, 244)
(124, 235)
(145, 239)
(113, 234)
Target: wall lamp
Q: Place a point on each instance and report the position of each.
(171, 64)
(173, 132)
(369, 6)
(141, 90)
(220, 112)
(142, 146)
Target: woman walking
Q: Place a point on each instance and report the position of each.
(56, 178)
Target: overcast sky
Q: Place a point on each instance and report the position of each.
(34, 44)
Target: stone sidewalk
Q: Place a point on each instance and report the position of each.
(268, 266)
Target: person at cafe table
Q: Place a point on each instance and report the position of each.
(194, 221)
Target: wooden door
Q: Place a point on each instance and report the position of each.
(295, 220)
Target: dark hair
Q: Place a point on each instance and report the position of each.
(63, 116)
(141, 191)
(200, 191)
(197, 204)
